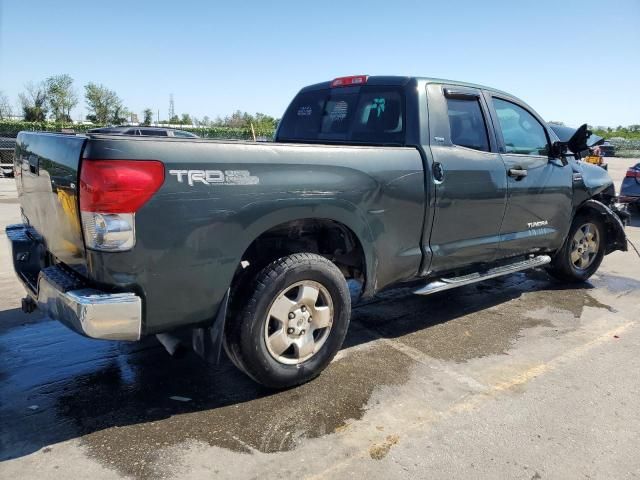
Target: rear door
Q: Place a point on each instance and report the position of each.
(539, 201)
(468, 176)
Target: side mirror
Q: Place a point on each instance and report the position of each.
(578, 142)
(559, 150)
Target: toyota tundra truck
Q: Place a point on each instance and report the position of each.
(249, 247)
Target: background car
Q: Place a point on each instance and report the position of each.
(144, 131)
(607, 150)
(630, 190)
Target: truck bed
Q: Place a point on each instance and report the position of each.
(217, 197)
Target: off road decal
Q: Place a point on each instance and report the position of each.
(215, 177)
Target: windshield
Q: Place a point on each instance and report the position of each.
(360, 115)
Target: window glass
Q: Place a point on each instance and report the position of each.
(372, 115)
(154, 133)
(467, 124)
(521, 131)
(180, 133)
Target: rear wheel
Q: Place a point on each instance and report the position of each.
(292, 321)
(582, 252)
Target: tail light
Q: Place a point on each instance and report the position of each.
(633, 173)
(111, 192)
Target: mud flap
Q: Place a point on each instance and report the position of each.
(616, 236)
(207, 341)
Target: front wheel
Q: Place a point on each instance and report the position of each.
(582, 252)
(292, 323)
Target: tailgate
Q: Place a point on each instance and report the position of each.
(47, 181)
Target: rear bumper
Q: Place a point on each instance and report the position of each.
(65, 297)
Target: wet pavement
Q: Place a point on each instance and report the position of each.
(411, 366)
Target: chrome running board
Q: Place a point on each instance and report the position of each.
(446, 283)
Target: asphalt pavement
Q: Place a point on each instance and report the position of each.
(517, 377)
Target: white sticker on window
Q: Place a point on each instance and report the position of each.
(305, 111)
(339, 111)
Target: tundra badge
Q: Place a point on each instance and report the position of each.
(541, 223)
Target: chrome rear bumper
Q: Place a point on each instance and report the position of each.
(109, 316)
(65, 297)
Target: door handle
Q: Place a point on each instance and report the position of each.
(517, 173)
(438, 172)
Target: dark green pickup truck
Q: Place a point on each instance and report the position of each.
(375, 180)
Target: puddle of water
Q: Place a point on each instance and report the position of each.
(473, 321)
(228, 411)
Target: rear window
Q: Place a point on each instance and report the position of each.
(370, 115)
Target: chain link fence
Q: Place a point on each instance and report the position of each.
(7, 147)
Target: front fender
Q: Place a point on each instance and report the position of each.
(616, 237)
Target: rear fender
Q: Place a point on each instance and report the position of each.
(616, 237)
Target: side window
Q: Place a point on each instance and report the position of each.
(467, 124)
(521, 131)
(153, 133)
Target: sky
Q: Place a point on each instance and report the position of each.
(576, 61)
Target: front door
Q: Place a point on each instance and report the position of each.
(469, 179)
(539, 200)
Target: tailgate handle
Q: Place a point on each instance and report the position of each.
(33, 164)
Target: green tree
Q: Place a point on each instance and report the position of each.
(34, 102)
(104, 105)
(5, 106)
(119, 115)
(186, 119)
(147, 117)
(61, 97)
(174, 120)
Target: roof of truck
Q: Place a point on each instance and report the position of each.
(403, 80)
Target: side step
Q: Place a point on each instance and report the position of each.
(446, 283)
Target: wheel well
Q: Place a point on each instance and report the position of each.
(328, 238)
(615, 238)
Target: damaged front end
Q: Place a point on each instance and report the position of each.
(616, 237)
(593, 190)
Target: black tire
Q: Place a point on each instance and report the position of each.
(563, 268)
(245, 337)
